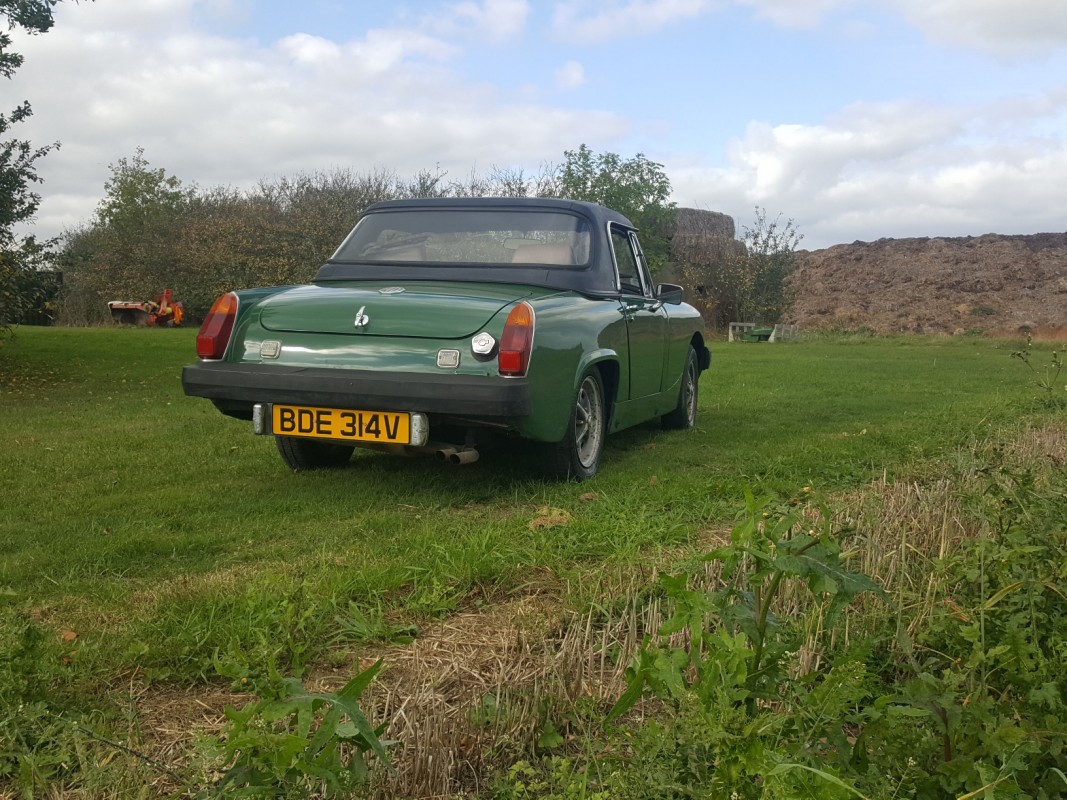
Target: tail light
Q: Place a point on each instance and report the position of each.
(516, 342)
(215, 333)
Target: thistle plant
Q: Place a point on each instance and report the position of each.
(1048, 377)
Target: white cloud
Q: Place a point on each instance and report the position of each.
(144, 16)
(307, 49)
(227, 11)
(897, 170)
(1021, 29)
(794, 14)
(384, 49)
(497, 20)
(220, 111)
(574, 21)
(571, 75)
(1017, 29)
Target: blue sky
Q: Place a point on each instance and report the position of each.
(860, 119)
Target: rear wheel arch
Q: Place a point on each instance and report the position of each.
(577, 455)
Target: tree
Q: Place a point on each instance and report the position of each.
(739, 281)
(33, 16)
(635, 187)
(769, 259)
(18, 203)
(138, 196)
(132, 247)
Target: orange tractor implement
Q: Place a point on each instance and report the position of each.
(163, 311)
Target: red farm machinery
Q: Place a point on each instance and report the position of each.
(163, 310)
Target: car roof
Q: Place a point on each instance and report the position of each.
(598, 213)
(596, 278)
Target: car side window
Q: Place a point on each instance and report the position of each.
(626, 262)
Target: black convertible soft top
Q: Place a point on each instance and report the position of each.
(595, 277)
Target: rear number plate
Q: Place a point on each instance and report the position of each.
(341, 424)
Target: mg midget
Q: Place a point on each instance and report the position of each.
(441, 325)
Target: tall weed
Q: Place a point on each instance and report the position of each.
(985, 671)
(292, 742)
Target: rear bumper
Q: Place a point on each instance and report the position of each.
(235, 388)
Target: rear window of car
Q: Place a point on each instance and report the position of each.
(461, 236)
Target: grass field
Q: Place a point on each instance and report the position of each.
(158, 534)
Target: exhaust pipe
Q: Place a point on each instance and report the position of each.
(453, 455)
(467, 455)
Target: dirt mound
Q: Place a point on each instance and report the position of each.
(989, 284)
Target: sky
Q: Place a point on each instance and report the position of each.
(857, 119)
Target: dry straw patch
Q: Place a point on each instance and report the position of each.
(469, 691)
(475, 690)
(904, 529)
(1041, 446)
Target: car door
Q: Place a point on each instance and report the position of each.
(646, 318)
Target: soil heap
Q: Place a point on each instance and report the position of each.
(991, 285)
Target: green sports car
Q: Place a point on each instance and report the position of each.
(445, 325)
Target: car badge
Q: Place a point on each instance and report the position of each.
(391, 290)
(362, 319)
(448, 359)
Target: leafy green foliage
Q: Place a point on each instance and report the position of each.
(763, 292)
(33, 16)
(732, 661)
(635, 187)
(131, 250)
(985, 672)
(966, 701)
(291, 741)
(746, 284)
(29, 286)
(37, 742)
(19, 258)
(150, 232)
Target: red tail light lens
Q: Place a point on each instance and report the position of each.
(215, 333)
(516, 343)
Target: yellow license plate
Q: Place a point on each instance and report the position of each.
(341, 424)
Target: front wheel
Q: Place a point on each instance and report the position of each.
(577, 455)
(305, 454)
(684, 415)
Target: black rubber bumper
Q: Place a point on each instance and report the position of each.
(478, 396)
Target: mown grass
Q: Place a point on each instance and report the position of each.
(165, 535)
(114, 480)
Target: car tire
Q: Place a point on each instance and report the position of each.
(684, 415)
(305, 454)
(577, 455)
